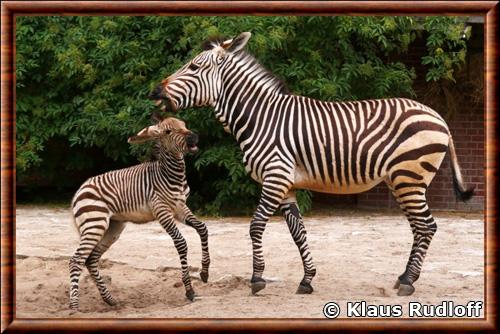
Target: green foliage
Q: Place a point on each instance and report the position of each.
(446, 45)
(85, 80)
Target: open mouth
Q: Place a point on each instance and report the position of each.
(164, 104)
(191, 141)
(192, 148)
(161, 99)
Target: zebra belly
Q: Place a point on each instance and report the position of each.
(305, 181)
(139, 216)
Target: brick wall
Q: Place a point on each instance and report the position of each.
(466, 124)
(468, 134)
(467, 128)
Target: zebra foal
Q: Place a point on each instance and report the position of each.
(155, 190)
(295, 142)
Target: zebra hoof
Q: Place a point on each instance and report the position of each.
(190, 295)
(405, 290)
(304, 289)
(74, 307)
(257, 285)
(397, 284)
(111, 302)
(204, 277)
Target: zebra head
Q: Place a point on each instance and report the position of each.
(170, 133)
(198, 82)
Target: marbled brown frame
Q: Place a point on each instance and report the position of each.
(10, 9)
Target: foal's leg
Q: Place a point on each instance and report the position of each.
(111, 235)
(163, 214)
(186, 216)
(92, 227)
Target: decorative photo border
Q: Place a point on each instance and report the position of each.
(11, 9)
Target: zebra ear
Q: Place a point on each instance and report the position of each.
(146, 134)
(237, 43)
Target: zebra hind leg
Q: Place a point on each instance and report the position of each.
(111, 235)
(294, 221)
(412, 253)
(414, 205)
(89, 239)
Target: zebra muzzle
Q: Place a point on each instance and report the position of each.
(156, 94)
(191, 141)
(161, 99)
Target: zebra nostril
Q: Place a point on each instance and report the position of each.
(192, 139)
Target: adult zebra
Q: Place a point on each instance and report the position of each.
(295, 142)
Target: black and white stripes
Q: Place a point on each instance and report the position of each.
(295, 142)
(150, 191)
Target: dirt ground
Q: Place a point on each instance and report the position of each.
(358, 255)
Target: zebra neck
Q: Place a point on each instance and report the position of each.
(245, 93)
(171, 164)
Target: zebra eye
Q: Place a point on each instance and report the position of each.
(168, 132)
(193, 67)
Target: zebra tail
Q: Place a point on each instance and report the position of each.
(461, 193)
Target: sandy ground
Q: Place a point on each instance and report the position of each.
(358, 256)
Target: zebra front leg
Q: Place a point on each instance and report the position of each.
(111, 235)
(182, 249)
(271, 197)
(190, 220)
(293, 219)
(423, 227)
(164, 216)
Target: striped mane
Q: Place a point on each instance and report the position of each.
(278, 83)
